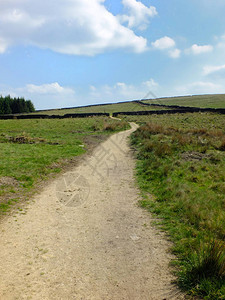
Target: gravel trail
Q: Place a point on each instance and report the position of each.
(84, 237)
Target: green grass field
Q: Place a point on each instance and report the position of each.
(203, 101)
(109, 108)
(30, 150)
(180, 170)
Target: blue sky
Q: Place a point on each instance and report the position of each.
(65, 53)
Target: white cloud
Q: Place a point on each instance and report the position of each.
(138, 14)
(164, 43)
(200, 87)
(150, 84)
(167, 44)
(54, 95)
(49, 95)
(3, 45)
(93, 88)
(18, 17)
(79, 27)
(196, 49)
(221, 43)
(51, 88)
(122, 91)
(212, 69)
(175, 53)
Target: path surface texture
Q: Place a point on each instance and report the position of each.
(84, 237)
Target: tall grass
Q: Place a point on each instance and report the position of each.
(206, 270)
(183, 167)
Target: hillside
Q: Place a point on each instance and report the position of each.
(203, 101)
(104, 108)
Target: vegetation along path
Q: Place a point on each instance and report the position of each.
(84, 237)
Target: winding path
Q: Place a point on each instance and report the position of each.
(84, 237)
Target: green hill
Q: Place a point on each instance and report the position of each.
(203, 101)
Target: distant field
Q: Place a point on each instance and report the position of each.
(203, 101)
(30, 150)
(109, 108)
(180, 169)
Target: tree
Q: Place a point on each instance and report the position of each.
(6, 106)
(1, 106)
(30, 106)
(10, 105)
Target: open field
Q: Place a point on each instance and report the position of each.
(180, 170)
(30, 150)
(203, 101)
(108, 108)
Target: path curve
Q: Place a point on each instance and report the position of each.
(84, 237)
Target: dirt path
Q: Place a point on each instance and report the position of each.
(84, 237)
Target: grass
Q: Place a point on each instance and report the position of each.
(109, 108)
(203, 101)
(213, 101)
(181, 161)
(31, 150)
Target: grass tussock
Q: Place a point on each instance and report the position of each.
(206, 269)
(182, 165)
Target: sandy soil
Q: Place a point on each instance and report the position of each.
(84, 237)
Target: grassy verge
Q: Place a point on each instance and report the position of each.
(31, 150)
(181, 161)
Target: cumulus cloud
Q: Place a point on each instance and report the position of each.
(167, 44)
(196, 49)
(54, 95)
(150, 84)
(175, 53)
(164, 43)
(3, 45)
(138, 14)
(51, 88)
(221, 41)
(49, 95)
(122, 91)
(200, 87)
(79, 27)
(212, 69)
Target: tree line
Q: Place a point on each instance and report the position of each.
(10, 105)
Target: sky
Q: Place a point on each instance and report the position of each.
(67, 53)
